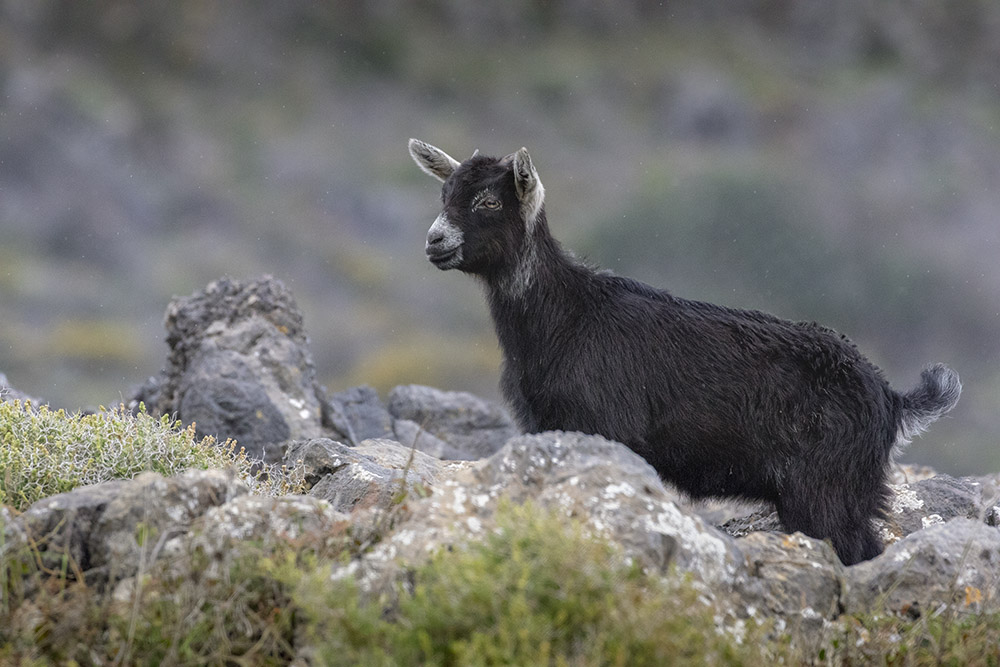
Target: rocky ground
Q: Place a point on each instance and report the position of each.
(240, 367)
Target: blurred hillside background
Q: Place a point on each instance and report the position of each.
(830, 161)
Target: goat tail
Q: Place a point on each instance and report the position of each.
(936, 394)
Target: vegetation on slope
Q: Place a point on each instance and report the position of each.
(540, 590)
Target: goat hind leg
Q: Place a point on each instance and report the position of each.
(822, 512)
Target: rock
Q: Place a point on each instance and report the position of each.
(369, 475)
(789, 576)
(315, 458)
(603, 483)
(475, 428)
(358, 414)
(8, 528)
(951, 564)
(107, 528)
(192, 526)
(410, 434)
(990, 504)
(63, 523)
(245, 527)
(290, 519)
(719, 511)
(151, 509)
(928, 502)
(757, 520)
(395, 456)
(221, 395)
(239, 367)
(613, 489)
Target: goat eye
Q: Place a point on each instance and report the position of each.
(492, 203)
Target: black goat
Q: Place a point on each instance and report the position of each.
(722, 402)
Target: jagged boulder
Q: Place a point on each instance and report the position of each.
(239, 367)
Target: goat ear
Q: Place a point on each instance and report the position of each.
(530, 191)
(432, 160)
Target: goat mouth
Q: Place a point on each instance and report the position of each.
(446, 259)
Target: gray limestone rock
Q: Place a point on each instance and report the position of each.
(947, 565)
(474, 427)
(239, 367)
(358, 414)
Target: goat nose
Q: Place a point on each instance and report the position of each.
(434, 237)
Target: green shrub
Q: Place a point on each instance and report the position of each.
(538, 591)
(44, 452)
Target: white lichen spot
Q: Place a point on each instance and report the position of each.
(406, 537)
(802, 541)
(475, 525)
(365, 475)
(968, 577)
(296, 403)
(888, 537)
(931, 520)
(566, 503)
(810, 613)
(304, 414)
(599, 526)
(903, 499)
(176, 513)
(458, 502)
(623, 489)
(481, 500)
(902, 556)
(736, 629)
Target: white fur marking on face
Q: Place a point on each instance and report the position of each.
(452, 235)
(442, 238)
